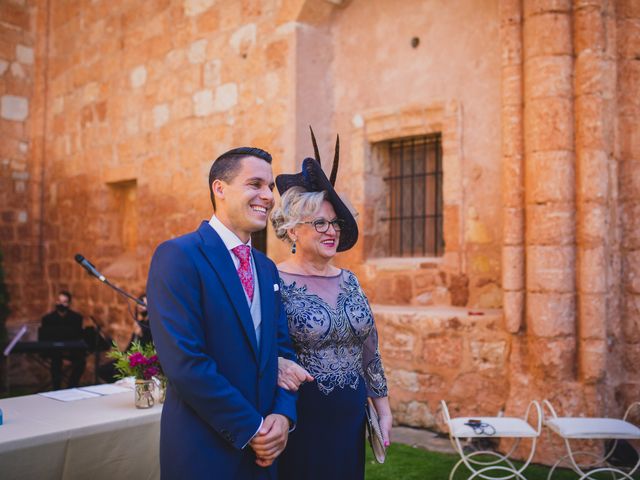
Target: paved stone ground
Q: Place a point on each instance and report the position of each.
(425, 439)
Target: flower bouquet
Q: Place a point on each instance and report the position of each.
(141, 362)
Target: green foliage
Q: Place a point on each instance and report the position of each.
(140, 361)
(409, 463)
(4, 304)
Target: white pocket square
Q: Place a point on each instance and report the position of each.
(276, 287)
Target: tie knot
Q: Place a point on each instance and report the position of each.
(243, 252)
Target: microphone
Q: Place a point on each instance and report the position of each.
(86, 264)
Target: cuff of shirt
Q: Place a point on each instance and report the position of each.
(254, 435)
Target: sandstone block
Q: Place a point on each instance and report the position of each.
(631, 267)
(513, 305)
(628, 137)
(536, 7)
(547, 34)
(554, 359)
(226, 97)
(593, 223)
(276, 54)
(593, 360)
(203, 103)
(160, 115)
(511, 36)
(551, 223)
(4, 65)
(138, 76)
(548, 76)
(631, 226)
(629, 179)
(513, 268)
(591, 123)
(513, 226)
(589, 29)
(415, 414)
(197, 52)
(403, 379)
(551, 314)
(550, 269)
(628, 32)
(630, 317)
(548, 124)
(512, 125)
(24, 54)
(211, 73)
(541, 185)
(593, 174)
(14, 108)
(592, 316)
(595, 75)
(243, 39)
(443, 351)
(196, 7)
(592, 268)
(488, 355)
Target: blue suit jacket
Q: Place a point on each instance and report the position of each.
(220, 382)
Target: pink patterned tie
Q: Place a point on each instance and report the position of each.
(243, 252)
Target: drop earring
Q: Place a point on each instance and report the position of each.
(293, 247)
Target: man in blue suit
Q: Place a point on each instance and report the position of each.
(219, 326)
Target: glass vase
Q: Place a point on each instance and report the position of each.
(144, 393)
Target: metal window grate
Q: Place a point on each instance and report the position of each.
(415, 196)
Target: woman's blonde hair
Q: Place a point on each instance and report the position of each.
(296, 204)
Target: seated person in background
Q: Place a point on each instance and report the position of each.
(141, 333)
(63, 324)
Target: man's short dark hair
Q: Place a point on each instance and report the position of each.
(66, 293)
(226, 166)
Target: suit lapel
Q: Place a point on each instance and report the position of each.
(219, 258)
(266, 308)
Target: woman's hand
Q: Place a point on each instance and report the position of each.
(386, 422)
(384, 417)
(291, 375)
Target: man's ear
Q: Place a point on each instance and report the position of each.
(218, 188)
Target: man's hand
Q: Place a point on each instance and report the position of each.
(291, 375)
(271, 439)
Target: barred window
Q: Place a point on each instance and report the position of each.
(414, 186)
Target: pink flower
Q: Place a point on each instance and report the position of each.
(150, 372)
(136, 359)
(153, 359)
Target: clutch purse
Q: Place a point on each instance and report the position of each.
(375, 433)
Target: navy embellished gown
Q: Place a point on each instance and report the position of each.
(333, 333)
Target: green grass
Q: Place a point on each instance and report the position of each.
(409, 463)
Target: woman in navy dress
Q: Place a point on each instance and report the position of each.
(333, 332)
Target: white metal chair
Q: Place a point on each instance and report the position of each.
(591, 428)
(488, 464)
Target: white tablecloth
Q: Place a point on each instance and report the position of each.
(96, 438)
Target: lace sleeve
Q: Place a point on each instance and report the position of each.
(372, 367)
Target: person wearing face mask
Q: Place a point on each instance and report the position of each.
(64, 324)
(332, 330)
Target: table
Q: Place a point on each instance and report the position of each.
(96, 438)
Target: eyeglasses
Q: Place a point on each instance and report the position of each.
(321, 225)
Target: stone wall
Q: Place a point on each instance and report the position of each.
(18, 153)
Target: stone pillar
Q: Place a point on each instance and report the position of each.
(550, 188)
(512, 165)
(627, 338)
(594, 84)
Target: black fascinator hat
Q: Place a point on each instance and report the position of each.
(313, 179)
